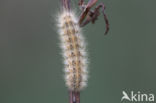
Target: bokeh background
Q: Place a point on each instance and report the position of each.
(31, 69)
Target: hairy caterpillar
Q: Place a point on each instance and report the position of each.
(73, 44)
(73, 47)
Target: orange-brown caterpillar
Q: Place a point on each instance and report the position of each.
(73, 45)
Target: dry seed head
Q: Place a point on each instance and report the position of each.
(73, 47)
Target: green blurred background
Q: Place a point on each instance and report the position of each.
(31, 69)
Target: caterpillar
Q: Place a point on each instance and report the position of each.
(73, 44)
(74, 51)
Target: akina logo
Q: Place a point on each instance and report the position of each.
(137, 97)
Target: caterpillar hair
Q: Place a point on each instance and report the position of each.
(73, 44)
(73, 47)
(74, 51)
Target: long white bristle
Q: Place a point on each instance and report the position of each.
(74, 53)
